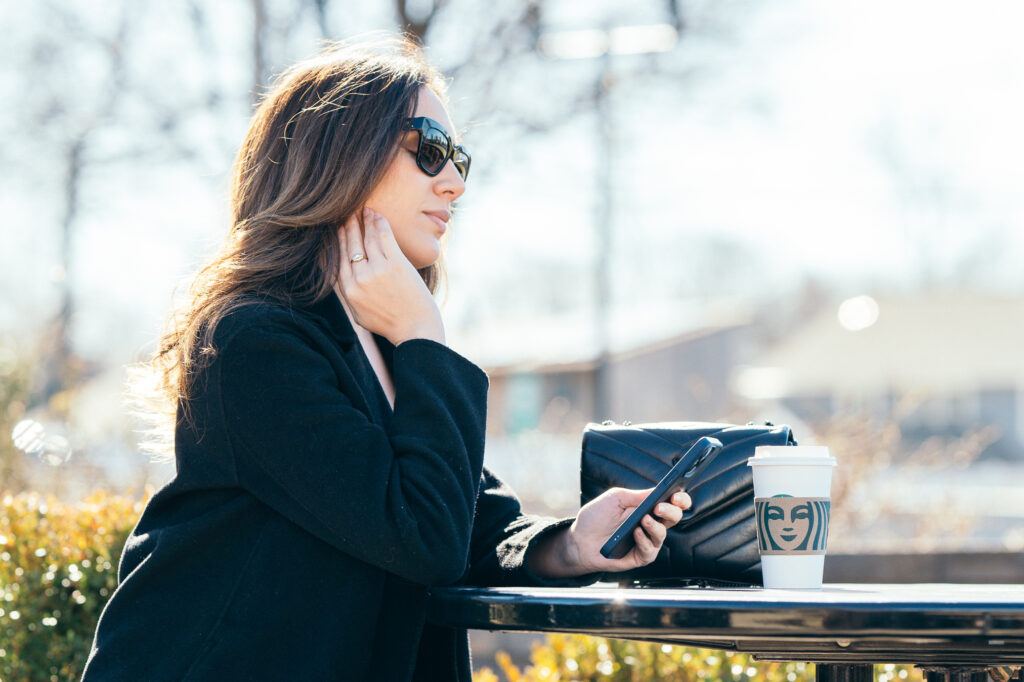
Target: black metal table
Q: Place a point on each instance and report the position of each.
(953, 632)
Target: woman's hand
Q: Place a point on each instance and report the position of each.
(383, 291)
(577, 551)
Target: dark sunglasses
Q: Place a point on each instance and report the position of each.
(435, 147)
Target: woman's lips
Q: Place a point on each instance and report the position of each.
(441, 224)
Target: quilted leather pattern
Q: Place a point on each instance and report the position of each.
(717, 538)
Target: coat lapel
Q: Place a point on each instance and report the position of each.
(376, 404)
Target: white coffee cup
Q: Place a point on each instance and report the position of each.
(792, 497)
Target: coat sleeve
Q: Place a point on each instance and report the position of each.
(402, 499)
(503, 536)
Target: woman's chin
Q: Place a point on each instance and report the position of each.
(424, 258)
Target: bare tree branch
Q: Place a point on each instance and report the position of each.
(417, 27)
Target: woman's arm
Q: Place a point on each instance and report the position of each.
(510, 548)
(503, 536)
(551, 557)
(402, 498)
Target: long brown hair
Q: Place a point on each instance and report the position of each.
(320, 140)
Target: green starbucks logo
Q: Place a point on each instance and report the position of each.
(792, 525)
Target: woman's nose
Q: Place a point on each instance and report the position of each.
(449, 181)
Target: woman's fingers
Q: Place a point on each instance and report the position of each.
(354, 237)
(644, 543)
(345, 250)
(657, 531)
(372, 236)
(670, 514)
(682, 500)
(387, 241)
(344, 271)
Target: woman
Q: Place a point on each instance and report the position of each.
(329, 446)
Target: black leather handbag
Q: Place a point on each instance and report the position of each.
(716, 542)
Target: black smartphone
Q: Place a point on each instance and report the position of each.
(696, 458)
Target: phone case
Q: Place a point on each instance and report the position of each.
(696, 458)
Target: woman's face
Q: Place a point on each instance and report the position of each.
(416, 205)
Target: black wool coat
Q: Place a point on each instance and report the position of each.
(307, 519)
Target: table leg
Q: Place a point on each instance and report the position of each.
(954, 673)
(844, 672)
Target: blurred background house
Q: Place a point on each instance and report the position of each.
(664, 362)
(937, 364)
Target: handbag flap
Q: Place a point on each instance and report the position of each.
(638, 456)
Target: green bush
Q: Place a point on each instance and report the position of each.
(58, 567)
(592, 659)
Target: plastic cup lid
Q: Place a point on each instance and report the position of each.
(784, 455)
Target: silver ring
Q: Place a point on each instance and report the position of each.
(356, 257)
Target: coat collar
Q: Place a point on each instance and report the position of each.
(329, 310)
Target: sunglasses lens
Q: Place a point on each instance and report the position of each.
(433, 150)
(461, 161)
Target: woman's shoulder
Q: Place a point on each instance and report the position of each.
(254, 316)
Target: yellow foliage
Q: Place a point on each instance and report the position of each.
(591, 659)
(58, 567)
(504, 662)
(485, 675)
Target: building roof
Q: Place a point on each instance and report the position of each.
(936, 343)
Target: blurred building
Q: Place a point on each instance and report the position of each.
(666, 363)
(940, 364)
(675, 379)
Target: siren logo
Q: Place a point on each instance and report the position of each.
(792, 525)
